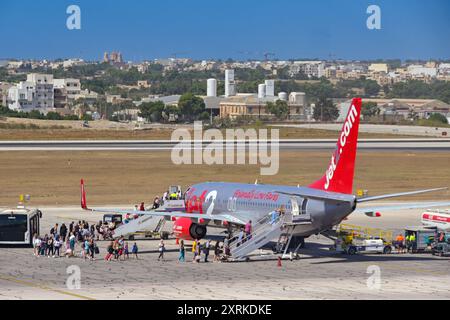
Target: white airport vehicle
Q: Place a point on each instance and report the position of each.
(18, 225)
(363, 246)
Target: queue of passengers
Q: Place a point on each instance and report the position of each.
(119, 250)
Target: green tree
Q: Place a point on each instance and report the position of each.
(438, 117)
(54, 116)
(279, 109)
(191, 106)
(370, 109)
(151, 111)
(325, 110)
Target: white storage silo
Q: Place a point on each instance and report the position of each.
(270, 88)
(211, 90)
(261, 91)
(230, 86)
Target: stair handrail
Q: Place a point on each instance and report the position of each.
(261, 226)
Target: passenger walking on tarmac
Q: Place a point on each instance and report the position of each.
(142, 207)
(69, 252)
(86, 248)
(121, 247)
(161, 250)
(181, 257)
(92, 248)
(36, 244)
(50, 246)
(226, 247)
(57, 244)
(206, 250)
(110, 251)
(198, 252)
(134, 250)
(194, 247)
(63, 232)
(126, 253)
(216, 251)
(116, 249)
(72, 244)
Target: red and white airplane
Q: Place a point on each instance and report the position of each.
(437, 218)
(312, 209)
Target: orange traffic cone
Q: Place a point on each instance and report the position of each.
(279, 262)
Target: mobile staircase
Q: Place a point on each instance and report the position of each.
(266, 230)
(148, 224)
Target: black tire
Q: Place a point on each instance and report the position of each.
(131, 238)
(351, 251)
(387, 250)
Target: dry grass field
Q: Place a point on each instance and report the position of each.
(52, 178)
(49, 133)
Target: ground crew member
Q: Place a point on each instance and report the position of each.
(173, 196)
(400, 243)
(412, 239)
(194, 246)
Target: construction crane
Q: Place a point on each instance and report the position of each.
(177, 54)
(267, 55)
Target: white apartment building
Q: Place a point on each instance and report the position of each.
(419, 70)
(378, 67)
(34, 94)
(22, 97)
(309, 68)
(71, 86)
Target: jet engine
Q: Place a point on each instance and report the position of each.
(184, 228)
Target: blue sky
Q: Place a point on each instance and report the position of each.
(239, 29)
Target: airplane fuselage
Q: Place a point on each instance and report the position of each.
(247, 202)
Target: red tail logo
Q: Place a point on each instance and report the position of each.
(339, 175)
(83, 196)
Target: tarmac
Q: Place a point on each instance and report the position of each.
(318, 274)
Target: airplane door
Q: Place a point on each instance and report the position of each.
(295, 209)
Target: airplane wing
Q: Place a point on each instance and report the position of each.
(176, 214)
(417, 205)
(235, 218)
(393, 195)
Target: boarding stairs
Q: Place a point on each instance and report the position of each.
(148, 223)
(142, 223)
(264, 231)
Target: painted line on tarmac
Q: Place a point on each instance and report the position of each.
(43, 287)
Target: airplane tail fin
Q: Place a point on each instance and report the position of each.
(339, 175)
(83, 196)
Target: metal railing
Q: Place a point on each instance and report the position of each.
(266, 223)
